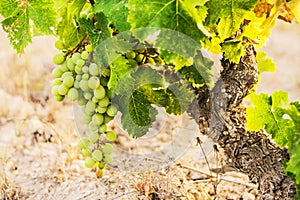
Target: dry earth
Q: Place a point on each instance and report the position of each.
(38, 138)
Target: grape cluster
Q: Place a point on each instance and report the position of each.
(79, 79)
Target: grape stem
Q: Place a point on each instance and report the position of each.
(78, 46)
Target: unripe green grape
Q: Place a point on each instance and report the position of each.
(104, 102)
(107, 119)
(95, 100)
(59, 45)
(101, 109)
(62, 90)
(112, 110)
(93, 82)
(90, 106)
(76, 84)
(94, 137)
(58, 59)
(93, 127)
(87, 151)
(68, 81)
(78, 77)
(97, 119)
(102, 128)
(73, 94)
(151, 61)
(109, 93)
(75, 57)
(130, 55)
(59, 97)
(83, 84)
(54, 90)
(83, 143)
(81, 101)
(107, 148)
(133, 63)
(93, 69)
(85, 55)
(89, 162)
(85, 77)
(80, 62)
(89, 48)
(99, 92)
(103, 81)
(111, 136)
(97, 155)
(106, 72)
(139, 58)
(85, 69)
(107, 159)
(64, 67)
(87, 95)
(56, 81)
(86, 119)
(101, 165)
(65, 74)
(57, 72)
(70, 64)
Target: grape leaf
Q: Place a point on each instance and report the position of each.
(264, 63)
(119, 15)
(18, 15)
(233, 50)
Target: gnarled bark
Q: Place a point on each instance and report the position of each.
(223, 117)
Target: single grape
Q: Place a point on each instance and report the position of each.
(85, 69)
(78, 77)
(93, 127)
(101, 165)
(81, 101)
(54, 90)
(87, 95)
(87, 151)
(70, 64)
(97, 119)
(97, 155)
(93, 69)
(78, 69)
(73, 94)
(130, 55)
(89, 162)
(89, 48)
(102, 128)
(103, 81)
(107, 148)
(85, 77)
(57, 72)
(90, 107)
(56, 81)
(139, 58)
(76, 84)
(112, 110)
(107, 119)
(101, 109)
(151, 61)
(80, 62)
(62, 90)
(75, 57)
(109, 93)
(104, 102)
(83, 84)
(111, 136)
(107, 159)
(68, 81)
(133, 63)
(99, 92)
(58, 59)
(94, 137)
(83, 143)
(65, 74)
(85, 55)
(86, 119)
(95, 100)
(64, 67)
(93, 82)
(59, 45)
(59, 97)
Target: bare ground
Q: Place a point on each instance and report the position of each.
(38, 139)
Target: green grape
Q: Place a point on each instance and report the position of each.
(133, 63)
(62, 90)
(102, 128)
(106, 72)
(64, 67)
(58, 59)
(78, 77)
(103, 81)
(85, 77)
(65, 74)
(97, 119)
(80, 62)
(56, 81)
(54, 90)
(90, 107)
(89, 48)
(93, 82)
(107, 119)
(101, 165)
(76, 84)
(109, 93)
(83, 84)
(112, 110)
(87, 95)
(81, 101)
(68, 81)
(59, 97)
(59, 45)
(73, 94)
(159, 60)
(101, 109)
(151, 61)
(87, 151)
(85, 69)
(83, 143)
(78, 69)
(107, 148)
(76, 56)
(97, 155)
(93, 127)
(89, 162)
(57, 72)
(70, 64)
(104, 102)
(95, 100)
(139, 58)
(86, 119)
(84, 55)
(93, 69)
(130, 55)
(111, 136)
(94, 137)
(107, 159)
(99, 92)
